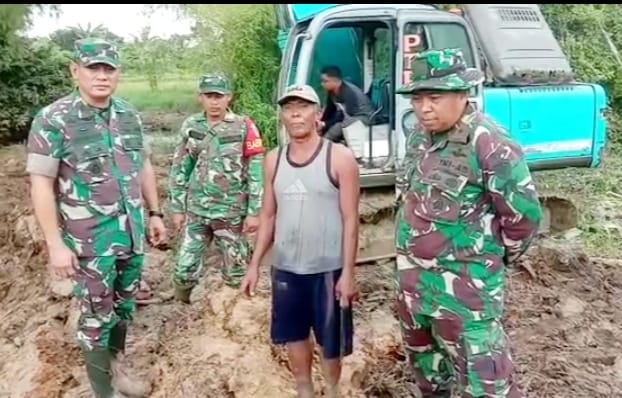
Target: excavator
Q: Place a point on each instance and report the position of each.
(530, 89)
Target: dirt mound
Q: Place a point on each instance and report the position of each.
(167, 122)
(564, 323)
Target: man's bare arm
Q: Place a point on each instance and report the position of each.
(149, 186)
(267, 215)
(347, 172)
(44, 203)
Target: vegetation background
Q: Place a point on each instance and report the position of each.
(160, 76)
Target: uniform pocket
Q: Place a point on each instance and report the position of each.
(92, 162)
(230, 150)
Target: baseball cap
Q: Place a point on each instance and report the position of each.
(91, 51)
(214, 83)
(301, 91)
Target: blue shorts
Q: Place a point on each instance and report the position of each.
(304, 302)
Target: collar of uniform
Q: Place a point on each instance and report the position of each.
(229, 117)
(85, 111)
(461, 133)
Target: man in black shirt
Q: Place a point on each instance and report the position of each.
(345, 104)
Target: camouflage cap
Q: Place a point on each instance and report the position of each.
(91, 51)
(302, 91)
(214, 83)
(441, 70)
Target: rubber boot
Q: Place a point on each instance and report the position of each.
(98, 370)
(118, 335)
(182, 293)
(126, 384)
(122, 382)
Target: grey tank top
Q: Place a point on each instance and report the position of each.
(308, 228)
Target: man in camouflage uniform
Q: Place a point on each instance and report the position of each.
(90, 172)
(217, 182)
(467, 209)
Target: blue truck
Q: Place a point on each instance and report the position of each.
(530, 88)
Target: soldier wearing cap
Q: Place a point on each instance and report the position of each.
(467, 209)
(310, 218)
(88, 159)
(216, 184)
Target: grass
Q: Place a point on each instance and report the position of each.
(164, 143)
(175, 93)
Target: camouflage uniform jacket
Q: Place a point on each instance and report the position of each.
(469, 206)
(217, 171)
(96, 157)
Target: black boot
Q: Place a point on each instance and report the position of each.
(99, 372)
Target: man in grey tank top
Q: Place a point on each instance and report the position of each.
(310, 218)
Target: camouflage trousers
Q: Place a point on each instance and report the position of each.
(106, 290)
(231, 243)
(453, 351)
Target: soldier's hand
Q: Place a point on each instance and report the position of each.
(178, 221)
(157, 231)
(63, 261)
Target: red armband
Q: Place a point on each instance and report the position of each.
(253, 145)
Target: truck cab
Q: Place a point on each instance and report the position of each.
(529, 89)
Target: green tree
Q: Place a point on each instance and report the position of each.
(32, 72)
(66, 37)
(152, 56)
(15, 17)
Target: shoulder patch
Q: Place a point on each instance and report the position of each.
(253, 144)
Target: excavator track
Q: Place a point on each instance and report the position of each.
(376, 231)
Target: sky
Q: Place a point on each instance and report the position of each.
(122, 19)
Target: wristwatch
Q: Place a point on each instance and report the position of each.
(156, 213)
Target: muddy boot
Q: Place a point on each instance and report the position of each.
(118, 335)
(126, 384)
(182, 293)
(99, 372)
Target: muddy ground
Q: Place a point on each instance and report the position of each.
(564, 320)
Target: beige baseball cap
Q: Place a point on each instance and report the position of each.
(302, 91)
